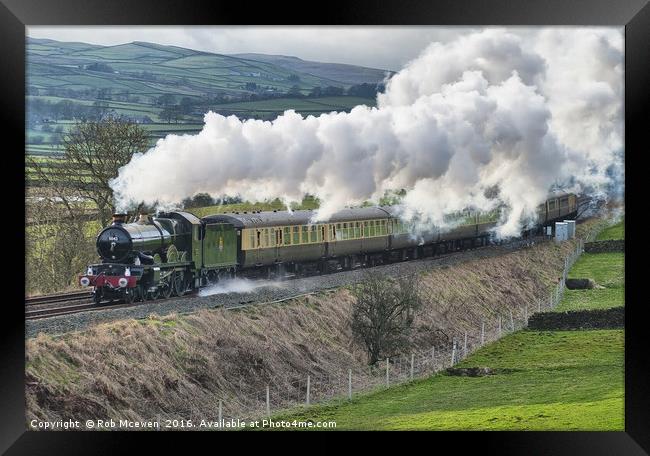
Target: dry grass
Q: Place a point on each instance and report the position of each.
(180, 366)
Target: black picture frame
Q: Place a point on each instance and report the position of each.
(633, 14)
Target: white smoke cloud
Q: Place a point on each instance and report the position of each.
(522, 112)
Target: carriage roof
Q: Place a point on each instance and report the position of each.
(298, 217)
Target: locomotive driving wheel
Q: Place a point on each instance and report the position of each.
(179, 284)
(165, 288)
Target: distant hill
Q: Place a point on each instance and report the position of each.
(340, 72)
(150, 70)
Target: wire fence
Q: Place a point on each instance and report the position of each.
(288, 393)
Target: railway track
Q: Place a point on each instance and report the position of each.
(46, 306)
(34, 301)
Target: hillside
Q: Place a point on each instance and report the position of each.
(150, 70)
(163, 87)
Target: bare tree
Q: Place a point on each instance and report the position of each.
(70, 199)
(59, 242)
(94, 153)
(383, 313)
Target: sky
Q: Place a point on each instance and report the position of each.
(388, 48)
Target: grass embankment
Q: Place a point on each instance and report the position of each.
(606, 269)
(180, 366)
(559, 380)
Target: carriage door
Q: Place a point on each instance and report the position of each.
(278, 242)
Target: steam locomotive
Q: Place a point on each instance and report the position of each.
(176, 252)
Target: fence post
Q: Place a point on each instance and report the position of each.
(412, 360)
(268, 401)
(465, 346)
(387, 374)
(350, 384)
(482, 333)
(525, 315)
(512, 322)
(220, 415)
(308, 387)
(453, 353)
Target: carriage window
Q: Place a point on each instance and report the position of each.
(321, 233)
(265, 238)
(313, 233)
(305, 234)
(296, 235)
(551, 205)
(287, 235)
(259, 238)
(564, 202)
(251, 239)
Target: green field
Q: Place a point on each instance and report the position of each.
(606, 269)
(616, 231)
(558, 380)
(192, 124)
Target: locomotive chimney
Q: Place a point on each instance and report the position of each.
(143, 219)
(118, 219)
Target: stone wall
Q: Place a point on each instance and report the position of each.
(579, 319)
(617, 245)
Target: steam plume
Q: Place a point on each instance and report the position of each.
(518, 111)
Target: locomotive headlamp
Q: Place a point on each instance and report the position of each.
(84, 281)
(122, 282)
